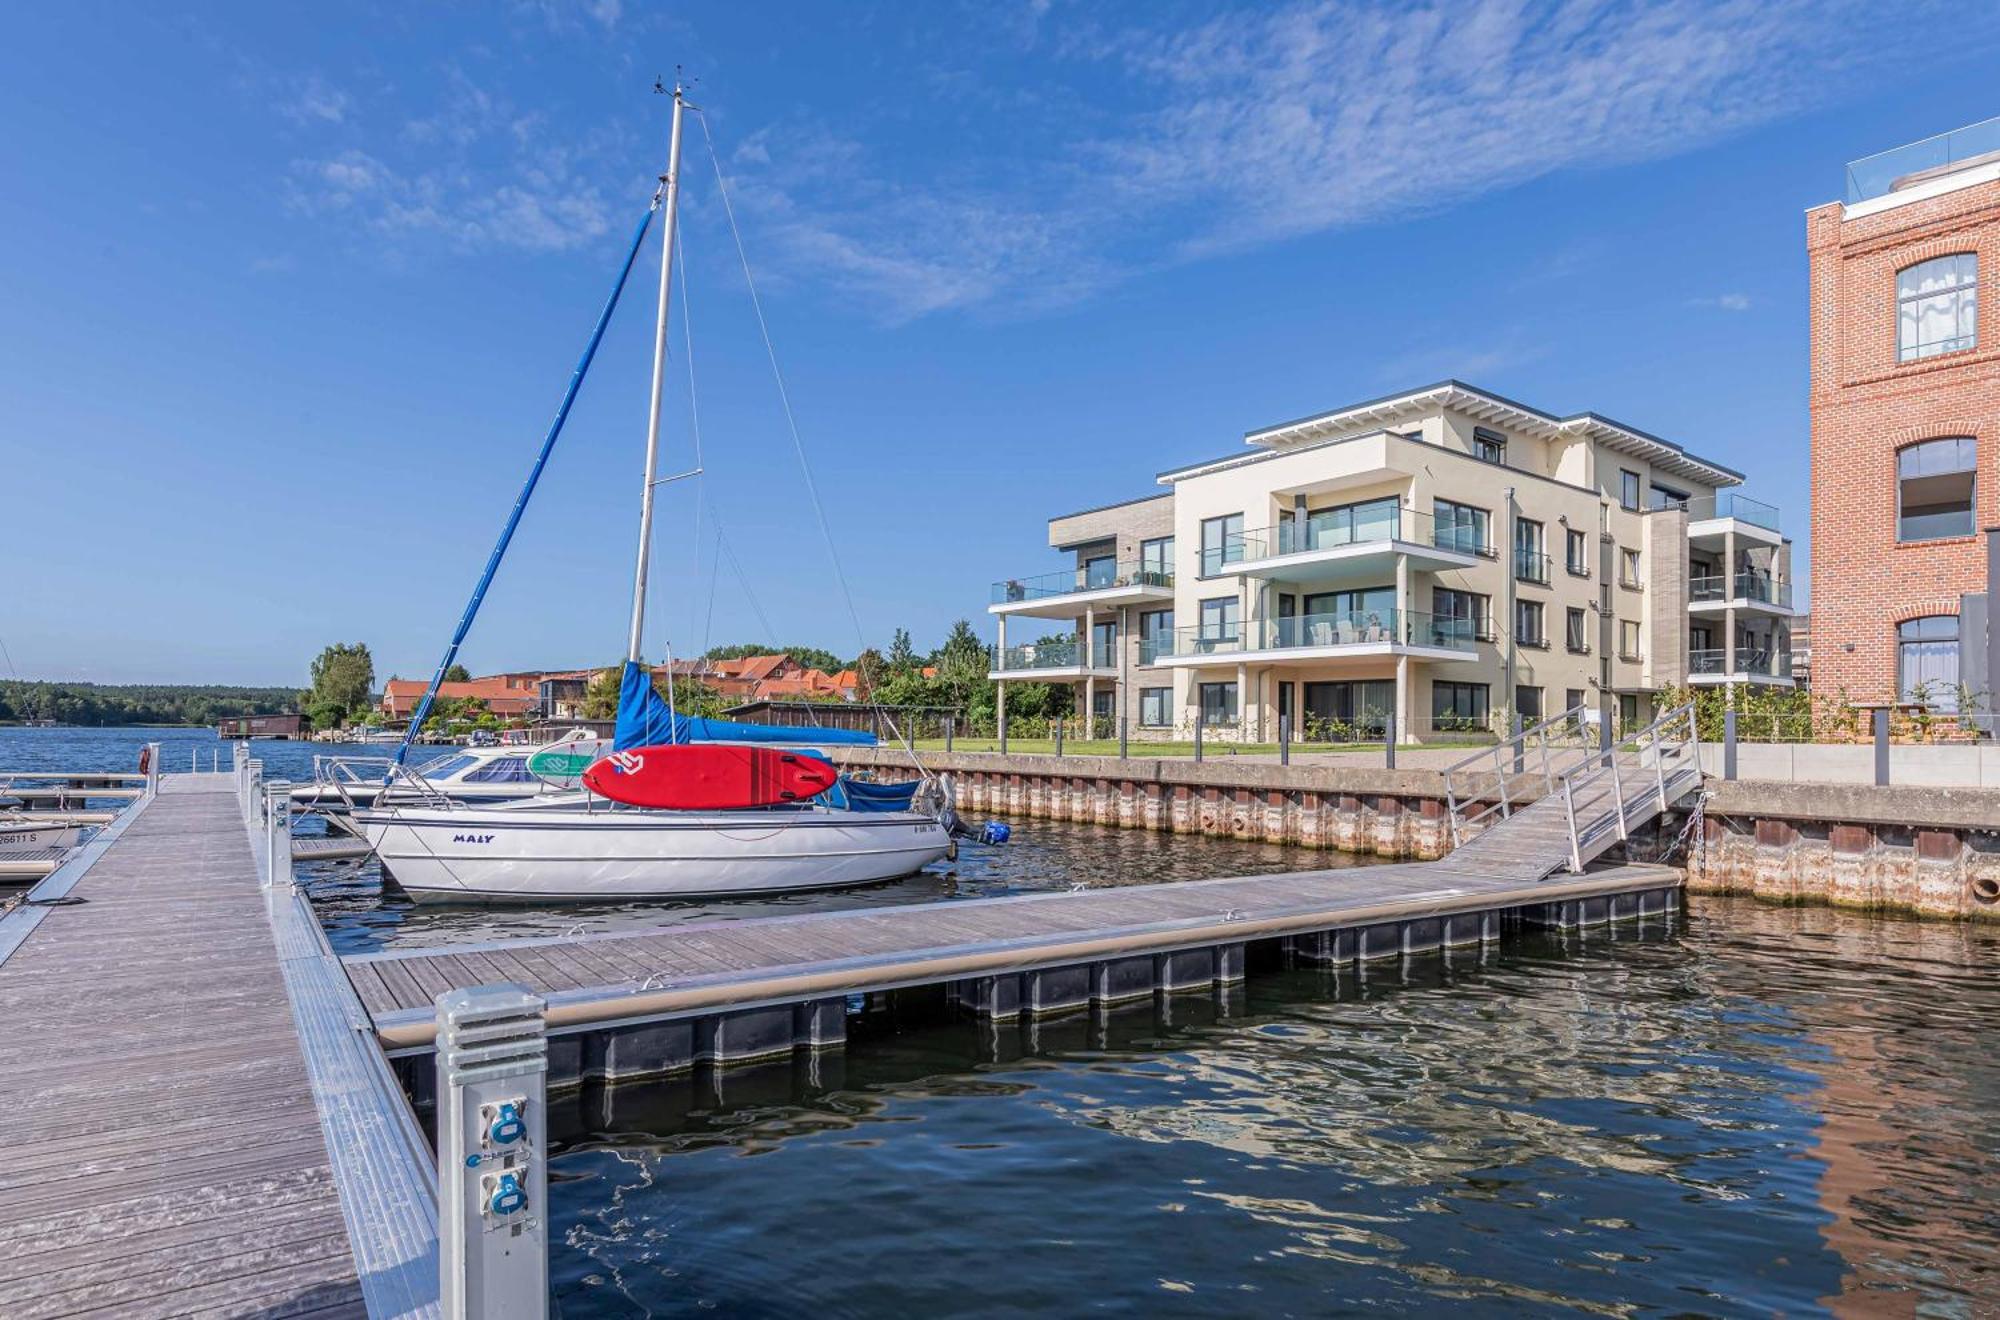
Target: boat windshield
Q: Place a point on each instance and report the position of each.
(446, 765)
(501, 770)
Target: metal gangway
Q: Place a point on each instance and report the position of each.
(1559, 794)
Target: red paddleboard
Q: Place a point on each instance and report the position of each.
(708, 776)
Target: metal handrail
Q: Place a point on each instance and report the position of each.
(1463, 785)
(1652, 737)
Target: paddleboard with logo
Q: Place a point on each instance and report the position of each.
(709, 776)
(565, 762)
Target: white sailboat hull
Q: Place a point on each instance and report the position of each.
(541, 854)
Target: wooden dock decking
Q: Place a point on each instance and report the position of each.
(163, 1148)
(712, 966)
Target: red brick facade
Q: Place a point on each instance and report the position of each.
(1866, 406)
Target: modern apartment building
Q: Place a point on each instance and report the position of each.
(1906, 423)
(1445, 556)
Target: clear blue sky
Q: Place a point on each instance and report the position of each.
(288, 293)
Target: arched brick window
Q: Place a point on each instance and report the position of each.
(1927, 661)
(1937, 306)
(1935, 488)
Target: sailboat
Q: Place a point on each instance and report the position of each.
(578, 846)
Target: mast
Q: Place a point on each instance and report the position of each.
(672, 180)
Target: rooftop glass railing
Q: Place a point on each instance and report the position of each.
(1343, 527)
(1728, 504)
(1919, 162)
(1099, 576)
(1352, 628)
(1066, 653)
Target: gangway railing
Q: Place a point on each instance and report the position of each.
(1664, 760)
(1523, 768)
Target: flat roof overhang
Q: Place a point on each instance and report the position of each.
(1348, 560)
(1073, 604)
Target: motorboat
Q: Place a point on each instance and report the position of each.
(478, 776)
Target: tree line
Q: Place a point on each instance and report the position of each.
(24, 701)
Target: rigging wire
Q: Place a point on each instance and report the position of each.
(792, 425)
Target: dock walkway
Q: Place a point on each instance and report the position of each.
(163, 1148)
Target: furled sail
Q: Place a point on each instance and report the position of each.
(645, 721)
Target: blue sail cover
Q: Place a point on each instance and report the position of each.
(860, 795)
(645, 721)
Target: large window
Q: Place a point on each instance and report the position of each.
(1218, 703)
(1349, 524)
(1528, 623)
(1528, 704)
(1927, 660)
(1489, 446)
(1576, 631)
(1463, 613)
(1156, 635)
(1463, 528)
(1156, 558)
(1628, 489)
(1628, 567)
(1530, 564)
(1221, 542)
(1460, 705)
(1576, 552)
(1099, 571)
(1104, 646)
(1937, 306)
(1628, 639)
(1219, 617)
(1934, 489)
(1156, 707)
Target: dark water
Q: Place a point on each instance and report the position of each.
(1765, 1111)
(1770, 1111)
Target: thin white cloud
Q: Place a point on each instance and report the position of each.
(1727, 302)
(1268, 125)
(314, 100)
(475, 173)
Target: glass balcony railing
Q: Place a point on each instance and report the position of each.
(1902, 167)
(1354, 628)
(1531, 566)
(1099, 576)
(1353, 527)
(1762, 588)
(1728, 504)
(1064, 654)
(1760, 660)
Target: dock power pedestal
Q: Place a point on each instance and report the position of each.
(492, 1063)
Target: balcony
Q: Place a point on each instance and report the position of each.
(1531, 566)
(1713, 517)
(1301, 551)
(1754, 664)
(1068, 593)
(1048, 662)
(1313, 637)
(1751, 591)
(1901, 169)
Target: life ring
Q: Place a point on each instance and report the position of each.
(145, 759)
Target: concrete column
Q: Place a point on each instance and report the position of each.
(1242, 702)
(1729, 646)
(1089, 663)
(1403, 695)
(1000, 688)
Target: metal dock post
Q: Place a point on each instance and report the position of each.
(492, 1066)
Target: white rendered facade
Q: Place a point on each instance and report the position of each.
(1446, 555)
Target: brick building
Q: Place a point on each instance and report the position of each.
(1905, 399)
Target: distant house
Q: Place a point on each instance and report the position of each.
(560, 696)
(509, 696)
(261, 726)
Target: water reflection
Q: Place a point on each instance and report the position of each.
(1770, 1110)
